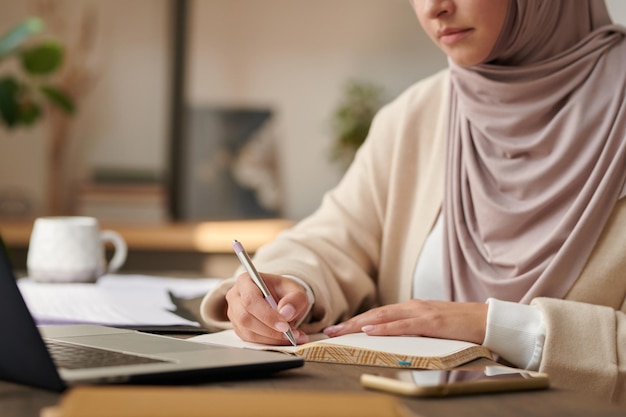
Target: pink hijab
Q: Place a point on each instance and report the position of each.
(537, 152)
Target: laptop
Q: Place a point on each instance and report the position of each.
(43, 356)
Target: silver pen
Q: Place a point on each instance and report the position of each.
(256, 278)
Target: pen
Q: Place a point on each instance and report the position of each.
(256, 278)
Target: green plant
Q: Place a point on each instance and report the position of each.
(352, 119)
(25, 87)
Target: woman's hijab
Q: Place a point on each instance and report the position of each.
(537, 152)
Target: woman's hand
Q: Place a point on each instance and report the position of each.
(441, 319)
(253, 318)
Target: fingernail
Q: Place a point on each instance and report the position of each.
(281, 326)
(367, 328)
(288, 311)
(301, 337)
(330, 330)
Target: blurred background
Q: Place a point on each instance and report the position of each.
(193, 118)
(277, 70)
(206, 109)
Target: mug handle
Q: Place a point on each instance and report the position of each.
(121, 250)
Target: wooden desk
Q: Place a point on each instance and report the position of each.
(21, 401)
(201, 247)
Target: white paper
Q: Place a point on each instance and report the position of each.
(401, 345)
(230, 338)
(179, 287)
(114, 300)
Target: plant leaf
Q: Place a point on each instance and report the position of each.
(42, 59)
(16, 36)
(9, 108)
(30, 112)
(59, 98)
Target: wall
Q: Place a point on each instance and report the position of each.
(122, 121)
(296, 57)
(292, 54)
(617, 8)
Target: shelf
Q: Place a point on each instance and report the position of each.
(209, 237)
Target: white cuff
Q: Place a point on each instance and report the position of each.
(516, 332)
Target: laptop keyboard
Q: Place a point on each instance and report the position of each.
(69, 356)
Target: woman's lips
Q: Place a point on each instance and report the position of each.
(450, 36)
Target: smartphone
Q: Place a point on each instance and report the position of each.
(439, 383)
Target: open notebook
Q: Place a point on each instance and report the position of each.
(361, 349)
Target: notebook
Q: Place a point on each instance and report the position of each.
(129, 356)
(361, 349)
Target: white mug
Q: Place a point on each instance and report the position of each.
(72, 249)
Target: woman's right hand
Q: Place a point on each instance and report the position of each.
(255, 321)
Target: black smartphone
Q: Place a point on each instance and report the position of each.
(440, 383)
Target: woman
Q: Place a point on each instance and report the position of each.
(486, 204)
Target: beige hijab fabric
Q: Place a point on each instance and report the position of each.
(537, 152)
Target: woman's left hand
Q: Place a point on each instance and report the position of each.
(441, 319)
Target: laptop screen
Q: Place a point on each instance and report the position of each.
(23, 354)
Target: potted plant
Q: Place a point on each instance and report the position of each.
(352, 119)
(26, 66)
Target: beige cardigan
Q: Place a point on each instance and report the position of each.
(359, 249)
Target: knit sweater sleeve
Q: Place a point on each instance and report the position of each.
(585, 347)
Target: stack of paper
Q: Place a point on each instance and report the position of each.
(114, 300)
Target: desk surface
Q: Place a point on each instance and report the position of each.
(21, 401)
